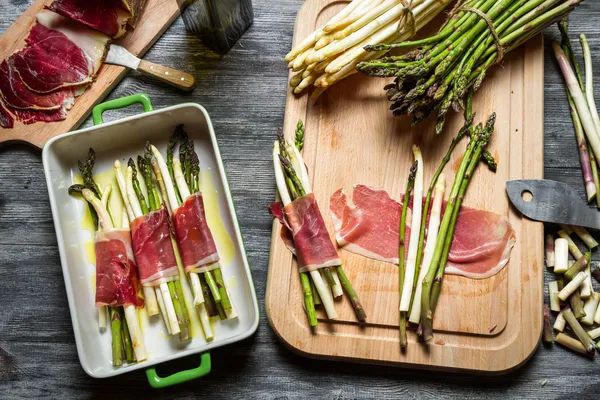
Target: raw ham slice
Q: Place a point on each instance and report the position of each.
(153, 248)
(93, 43)
(311, 242)
(116, 273)
(32, 116)
(52, 61)
(480, 248)
(106, 16)
(17, 95)
(6, 120)
(196, 243)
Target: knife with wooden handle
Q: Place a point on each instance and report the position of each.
(551, 201)
(118, 55)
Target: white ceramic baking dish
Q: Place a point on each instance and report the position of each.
(120, 140)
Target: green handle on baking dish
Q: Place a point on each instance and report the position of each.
(182, 376)
(155, 381)
(115, 104)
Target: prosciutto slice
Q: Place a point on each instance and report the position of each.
(106, 16)
(6, 120)
(32, 116)
(51, 62)
(310, 240)
(153, 248)
(370, 226)
(17, 95)
(93, 43)
(196, 243)
(116, 273)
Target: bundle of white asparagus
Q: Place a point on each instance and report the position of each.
(330, 53)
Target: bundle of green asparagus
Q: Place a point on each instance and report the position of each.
(321, 273)
(116, 272)
(478, 35)
(583, 108)
(330, 53)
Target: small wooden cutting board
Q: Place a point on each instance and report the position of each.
(489, 325)
(157, 16)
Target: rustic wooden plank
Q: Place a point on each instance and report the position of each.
(245, 93)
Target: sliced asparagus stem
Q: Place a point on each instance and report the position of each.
(577, 305)
(572, 286)
(553, 293)
(336, 288)
(597, 312)
(170, 308)
(102, 317)
(547, 331)
(161, 305)
(579, 266)
(325, 294)
(411, 257)
(559, 324)
(594, 334)
(549, 251)
(586, 287)
(127, 346)
(117, 341)
(196, 289)
(222, 291)
(587, 342)
(161, 184)
(585, 237)
(572, 344)
(561, 254)
(573, 249)
(182, 321)
(316, 297)
(589, 307)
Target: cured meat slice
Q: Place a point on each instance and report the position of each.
(52, 61)
(196, 243)
(17, 95)
(6, 120)
(370, 226)
(93, 43)
(106, 16)
(116, 272)
(32, 116)
(153, 248)
(311, 242)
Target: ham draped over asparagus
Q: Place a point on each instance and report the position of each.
(116, 272)
(196, 243)
(153, 248)
(370, 226)
(310, 240)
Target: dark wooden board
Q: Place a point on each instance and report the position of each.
(245, 93)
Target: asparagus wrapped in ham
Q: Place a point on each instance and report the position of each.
(319, 263)
(116, 271)
(153, 249)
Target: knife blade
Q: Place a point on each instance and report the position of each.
(118, 55)
(551, 201)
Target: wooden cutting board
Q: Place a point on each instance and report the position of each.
(490, 325)
(157, 16)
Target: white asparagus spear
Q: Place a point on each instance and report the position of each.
(570, 287)
(149, 295)
(549, 251)
(561, 256)
(589, 81)
(595, 333)
(586, 287)
(432, 233)
(585, 236)
(411, 257)
(581, 103)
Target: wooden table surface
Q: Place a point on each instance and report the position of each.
(244, 91)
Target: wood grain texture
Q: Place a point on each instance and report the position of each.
(486, 325)
(154, 20)
(171, 76)
(245, 93)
